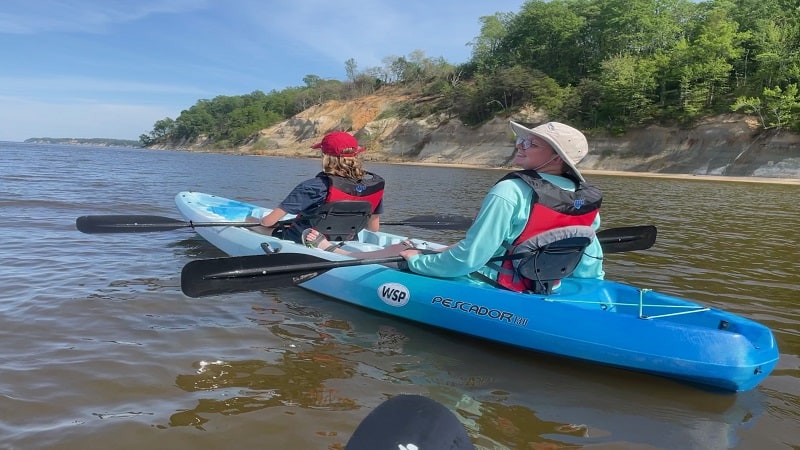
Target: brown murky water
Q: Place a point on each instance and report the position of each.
(101, 349)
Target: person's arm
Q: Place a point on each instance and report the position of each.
(374, 222)
(267, 222)
(483, 240)
(302, 197)
(272, 218)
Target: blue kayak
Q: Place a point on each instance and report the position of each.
(601, 321)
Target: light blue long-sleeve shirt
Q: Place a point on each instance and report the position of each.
(502, 218)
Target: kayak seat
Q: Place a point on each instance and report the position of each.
(553, 255)
(342, 220)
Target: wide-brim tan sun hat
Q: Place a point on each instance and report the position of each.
(570, 144)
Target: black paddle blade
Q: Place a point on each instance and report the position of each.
(627, 239)
(127, 224)
(253, 273)
(407, 422)
(249, 273)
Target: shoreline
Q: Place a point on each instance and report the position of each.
(675, 176)
(678, 176)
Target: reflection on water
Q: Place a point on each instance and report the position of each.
(512, 399)
(297, 375)
(516, 426)
(295, 379)
(524, 400)
(501, 423)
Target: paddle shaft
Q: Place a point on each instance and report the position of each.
(614, 240)
(318, 264)
(248, 273)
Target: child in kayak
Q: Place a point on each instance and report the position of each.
(342, 178)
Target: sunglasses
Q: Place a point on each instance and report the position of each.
(527, 143)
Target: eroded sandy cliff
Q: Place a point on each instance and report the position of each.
(732, 145)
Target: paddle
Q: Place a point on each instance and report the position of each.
(627, 239)
(146, 224)
(437, 222)
(410, 422)
(252, 273)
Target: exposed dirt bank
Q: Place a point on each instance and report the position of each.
(731, 147)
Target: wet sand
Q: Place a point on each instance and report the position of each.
(676, 176)
(695, 177)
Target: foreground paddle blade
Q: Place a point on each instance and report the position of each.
(410, 422)
(252, 273)
(627, 239)
(249, 273)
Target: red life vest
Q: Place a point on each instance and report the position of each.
(340, 188)
(552, 207)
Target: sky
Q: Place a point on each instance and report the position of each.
(112, 68)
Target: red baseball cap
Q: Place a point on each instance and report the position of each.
(339, 143)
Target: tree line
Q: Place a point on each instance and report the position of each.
(597, 64)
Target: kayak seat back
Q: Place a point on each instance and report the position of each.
(552, 255)
(342, 220)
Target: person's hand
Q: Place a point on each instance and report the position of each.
(409, 253)
(251, 219)
(403, 265)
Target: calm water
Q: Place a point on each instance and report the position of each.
(101, 350)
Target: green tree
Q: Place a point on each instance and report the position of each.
(161, 129)
(545, 36)
(350, 69)
(311, 80)
(705, 62)
(627, 85)
(486, 47)
(635, 27)
(777, 108)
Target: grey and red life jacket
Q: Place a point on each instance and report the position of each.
(336, 220)
(553, 207)
(340, 188)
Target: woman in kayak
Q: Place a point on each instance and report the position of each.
(548, 193)
(342, 178)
